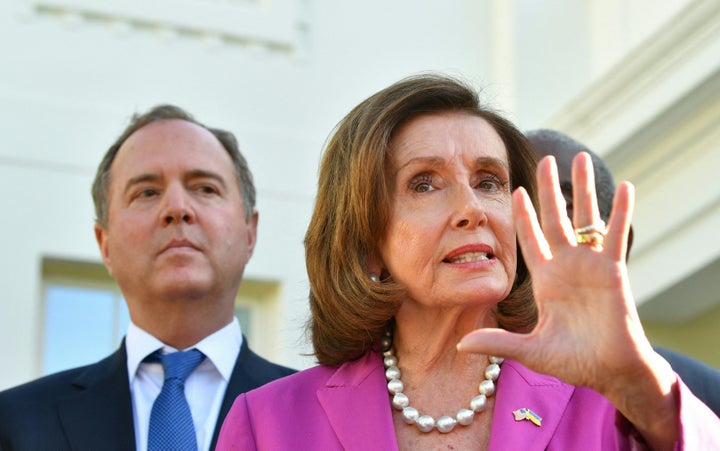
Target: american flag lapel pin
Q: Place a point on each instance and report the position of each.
(527, 414)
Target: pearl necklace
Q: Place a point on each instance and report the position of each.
(426, 423)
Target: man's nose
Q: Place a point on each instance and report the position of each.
(177, 207)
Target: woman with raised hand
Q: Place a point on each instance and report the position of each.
(427, 328)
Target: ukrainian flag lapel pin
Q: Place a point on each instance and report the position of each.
(527, 414)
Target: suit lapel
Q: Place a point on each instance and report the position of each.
(100, 415)
(251, 371)
(240, 382)
(519, 388)
(356, 402)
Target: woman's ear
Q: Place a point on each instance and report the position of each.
(375, 268)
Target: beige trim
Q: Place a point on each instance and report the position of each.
(655, 118)
(668, 66)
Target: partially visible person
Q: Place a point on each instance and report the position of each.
(418, 289)
(702, 379)
(176, 225)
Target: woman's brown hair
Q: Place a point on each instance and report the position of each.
(350, 312)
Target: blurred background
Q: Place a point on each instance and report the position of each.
(638, 81)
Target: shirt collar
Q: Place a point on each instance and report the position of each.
(221, 347)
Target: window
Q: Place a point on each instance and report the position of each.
(85, 316)
(258, 308)
(82, 325)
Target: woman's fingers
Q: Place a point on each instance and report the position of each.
(620, 219)
(537, 239)
(585, 211)
(580, 288)
(497, 342)
(553, 214)
(530, 236)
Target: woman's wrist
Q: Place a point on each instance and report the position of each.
(649, 399)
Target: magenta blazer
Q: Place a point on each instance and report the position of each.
(348, 408)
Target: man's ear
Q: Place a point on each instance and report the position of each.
(101, 236)
(252, 225)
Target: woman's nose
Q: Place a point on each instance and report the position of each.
(469, 211)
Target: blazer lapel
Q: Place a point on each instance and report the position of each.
(100, 415)
(356, 402)
(520, 388)
(251, 371)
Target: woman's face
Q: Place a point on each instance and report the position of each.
(450, 237)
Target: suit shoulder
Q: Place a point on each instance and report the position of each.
(263, 366)
(279, 370)
(44, 388)
(701, 378)
(57, 385)
(28, 406)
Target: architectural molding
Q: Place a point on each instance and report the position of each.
(273, 25)
(665, 68)
(655, 118)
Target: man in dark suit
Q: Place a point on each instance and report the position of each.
(176, 224)
(703, 380)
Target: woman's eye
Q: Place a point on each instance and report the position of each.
(422, 184)
(487, 185)
(491, 183)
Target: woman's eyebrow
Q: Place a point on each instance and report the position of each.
(491, 161)
(430, 161)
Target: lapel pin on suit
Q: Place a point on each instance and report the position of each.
(527, 414)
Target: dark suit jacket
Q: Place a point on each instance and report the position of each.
(89, 408)
(703, 380)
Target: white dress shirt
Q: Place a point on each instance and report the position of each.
(204, 388)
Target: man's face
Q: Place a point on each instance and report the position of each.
(176, 221)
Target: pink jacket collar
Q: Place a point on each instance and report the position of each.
(363, 382)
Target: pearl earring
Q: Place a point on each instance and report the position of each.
(374, 278)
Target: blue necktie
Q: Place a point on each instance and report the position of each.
(171, 423)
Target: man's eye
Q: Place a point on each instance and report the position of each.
(207, 189)
(148, 193)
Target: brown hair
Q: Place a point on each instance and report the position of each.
(349, 311)
(163, 113)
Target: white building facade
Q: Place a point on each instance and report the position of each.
(638, 81)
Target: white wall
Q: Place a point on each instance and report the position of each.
(68, 85)
(69, 82)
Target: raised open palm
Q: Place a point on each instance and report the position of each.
(588, 331)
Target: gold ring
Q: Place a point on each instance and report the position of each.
(593, 234)
(598, 227)
(590, 238)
